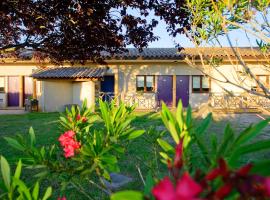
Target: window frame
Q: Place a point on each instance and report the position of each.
(145, 83)
(201, 88)
(4, 91)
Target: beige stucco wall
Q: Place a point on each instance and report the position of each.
(55, 95)
(13, 69)
(83, 91)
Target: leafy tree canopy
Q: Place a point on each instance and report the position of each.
(79, 30)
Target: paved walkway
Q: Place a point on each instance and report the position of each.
(12, 112)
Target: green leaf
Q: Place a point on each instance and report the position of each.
(189, 117)
(18, 170)
(228, 139)
(22, 188)
(165, 145)
(173, 132)
(14, 143)
(255, 147)
(32, 136)
(47, 194)
(35, 191)
(246, 149)
(179, 115)
(261, 168)
(135, 134)
(251, 132)
(149, 183)
(165, 156)
(204, 124)
(5, 170)
(109, 159)
(127, 195)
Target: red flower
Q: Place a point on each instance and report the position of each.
(186, 189)
(221, 170)
(267, 186)
(223, 191)
(78, 117)
(243, 171)
(164, 190)
(178, 155)
(61, 198)
(84, 119)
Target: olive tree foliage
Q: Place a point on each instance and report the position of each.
(212, 21)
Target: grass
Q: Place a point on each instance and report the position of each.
(47, 130)
(139, 154)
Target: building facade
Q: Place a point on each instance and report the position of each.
(143, 78)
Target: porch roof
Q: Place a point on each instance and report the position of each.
(70, 73)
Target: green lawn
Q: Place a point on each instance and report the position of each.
(138, 154)
(47, 129)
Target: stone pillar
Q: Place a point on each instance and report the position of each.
(21, 91)
(174, 92)
(34, 89)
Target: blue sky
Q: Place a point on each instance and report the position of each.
(238, 38)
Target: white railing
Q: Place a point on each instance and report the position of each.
(142, 100)
(238, 101)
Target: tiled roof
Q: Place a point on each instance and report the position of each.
(147, 54)
(173, 53)
(70, 73)
(222, 52)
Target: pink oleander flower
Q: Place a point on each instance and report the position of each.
(65, 138)
(69, 144)
(186, 189)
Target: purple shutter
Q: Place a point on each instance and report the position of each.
(164, 89)
(13, 91)
(182, 89)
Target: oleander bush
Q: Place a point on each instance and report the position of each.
(196, 164)
(199, 169)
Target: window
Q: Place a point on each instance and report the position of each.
(200, 84)
(145, 83)
(2, 84)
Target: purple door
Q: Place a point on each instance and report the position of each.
(182, 89)
(13, 91)
(164, 89)
(28, 87)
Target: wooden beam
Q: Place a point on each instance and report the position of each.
(34, 89)
(21, 91)
(116, 85)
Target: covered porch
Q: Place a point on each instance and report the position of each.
(65, 86)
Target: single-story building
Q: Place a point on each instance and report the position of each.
(145, 78)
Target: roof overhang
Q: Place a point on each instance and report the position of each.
(70, 73)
